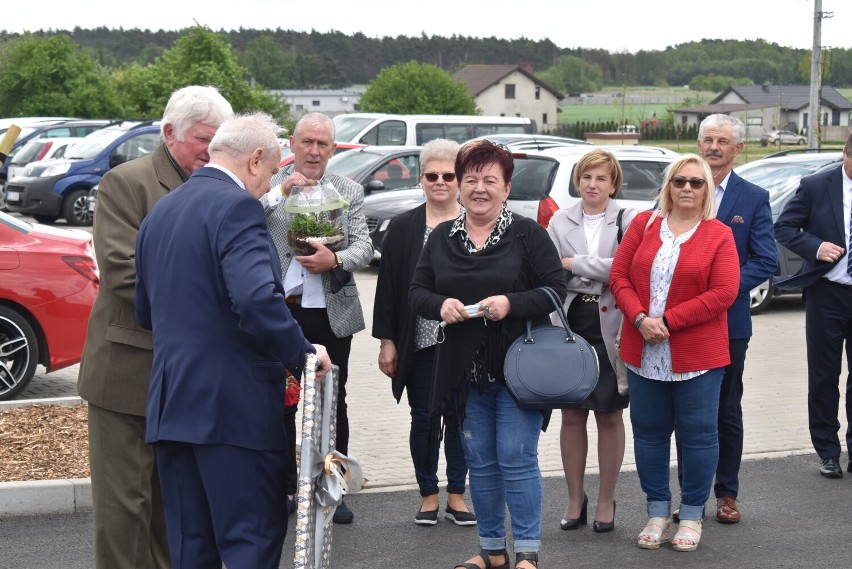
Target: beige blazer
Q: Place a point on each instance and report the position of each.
(590, 274)
(116, 364)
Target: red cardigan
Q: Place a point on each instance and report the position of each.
(705, 283)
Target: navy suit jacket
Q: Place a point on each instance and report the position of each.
(812, 217)
(208, 285)
(745, 209)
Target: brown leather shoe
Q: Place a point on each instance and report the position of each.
(726, 510)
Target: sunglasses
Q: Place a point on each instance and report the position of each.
(433, 176)
(694, 183)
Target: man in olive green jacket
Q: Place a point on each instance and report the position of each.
(129, 527)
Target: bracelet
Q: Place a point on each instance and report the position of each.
(639, 319)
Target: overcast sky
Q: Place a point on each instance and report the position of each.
(614, 25)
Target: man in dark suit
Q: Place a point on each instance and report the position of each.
(127, 511)
(815, 225)
(328, 314)
(744, 207)
(208, 286)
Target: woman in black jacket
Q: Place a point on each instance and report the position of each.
(490, 260)
(408, 341)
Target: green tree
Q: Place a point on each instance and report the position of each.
(51, 76)
(414, 88)
(266, 62)
(573, 75)
(200, 57)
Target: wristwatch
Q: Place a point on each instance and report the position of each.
(339, 260)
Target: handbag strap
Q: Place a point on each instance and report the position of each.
(618, 221)
(557, 306)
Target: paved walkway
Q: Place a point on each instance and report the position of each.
(774, 402)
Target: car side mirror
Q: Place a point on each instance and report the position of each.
(373, 186)
(116, 159)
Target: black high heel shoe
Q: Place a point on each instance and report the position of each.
(604, 527)
(582, 520)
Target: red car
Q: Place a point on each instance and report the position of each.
(48, 283)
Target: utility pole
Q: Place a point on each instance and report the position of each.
(814, 118)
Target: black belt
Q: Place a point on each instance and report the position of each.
(294, 299)
(589, 297)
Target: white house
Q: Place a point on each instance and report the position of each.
(769, 107)
(329, 101)
(511, 91)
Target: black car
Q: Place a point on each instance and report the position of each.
(779, 174)
(380, 209)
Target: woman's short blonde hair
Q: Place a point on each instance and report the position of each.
(595, 158)
(666, 205)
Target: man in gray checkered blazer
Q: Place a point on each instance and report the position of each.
(326, 317)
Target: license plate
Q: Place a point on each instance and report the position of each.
(13, 196)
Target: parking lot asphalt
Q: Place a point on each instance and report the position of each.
(793, 517)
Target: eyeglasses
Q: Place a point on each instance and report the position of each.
(694, 183)
(433, 176)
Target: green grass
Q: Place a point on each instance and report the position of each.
(632, 113)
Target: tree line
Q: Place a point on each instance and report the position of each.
(287, 59)
(102, 72)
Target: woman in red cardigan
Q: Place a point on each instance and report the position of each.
(674, 277)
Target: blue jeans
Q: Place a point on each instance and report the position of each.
(419, 391)
(657, 408)
(501, 445)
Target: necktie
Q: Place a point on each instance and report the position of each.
(848, 256)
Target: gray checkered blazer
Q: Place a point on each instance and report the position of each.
(344, 307)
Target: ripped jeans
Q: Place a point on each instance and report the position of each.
(500, 443)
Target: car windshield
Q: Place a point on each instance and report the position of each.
(94, 144)
(345, 128)
(349, 164)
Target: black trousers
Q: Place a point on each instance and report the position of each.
(828, 324)
(316, 328)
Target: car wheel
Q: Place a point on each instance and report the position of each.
(75, 209)
(3, 195)
(18, 353)
(777, 142)
(45, 218)
(802, 141)
(760, 296)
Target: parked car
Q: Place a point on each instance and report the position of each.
(46, 128)
(39, 149)
(48, 286)
(288, 157)
(779, 137)
(779, 174)
(522, 142)
(380, 208)
(379, 168)
(51, 188)
(542, 182)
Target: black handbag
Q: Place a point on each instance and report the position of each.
(551, 367)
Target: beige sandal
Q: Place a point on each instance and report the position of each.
(688, 535)
(656, 531)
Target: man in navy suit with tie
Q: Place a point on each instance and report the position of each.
(744, 207)
(208, 286)
(815, 225)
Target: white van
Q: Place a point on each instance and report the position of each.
(379, 129)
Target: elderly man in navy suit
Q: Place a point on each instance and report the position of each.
(208, 286)
(815, 224)
(744, 207)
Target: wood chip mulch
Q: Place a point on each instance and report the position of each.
(44, 442)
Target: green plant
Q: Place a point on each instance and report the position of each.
(313, 224)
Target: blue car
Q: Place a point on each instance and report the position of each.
(50, 189)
